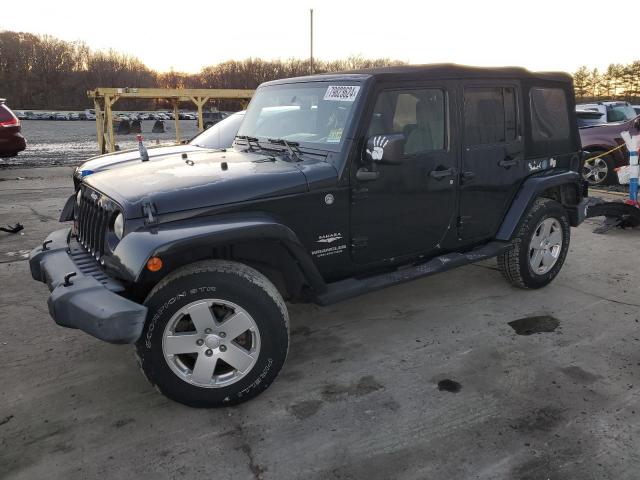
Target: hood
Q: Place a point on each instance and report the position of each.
(174, 184)
(125, 157)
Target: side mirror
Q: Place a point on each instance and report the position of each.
(386, 149)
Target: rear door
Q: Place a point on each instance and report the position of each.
(493, 156)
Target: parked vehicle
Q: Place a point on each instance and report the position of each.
(605, 150)
(11, 140)
(219, 136)
(73, 116)
(362, 180)
(209, 119)
(614, 111)
(587, 118)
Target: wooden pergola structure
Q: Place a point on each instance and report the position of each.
(104, 98)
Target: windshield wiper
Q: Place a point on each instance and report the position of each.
(249, 141)
(292, 147)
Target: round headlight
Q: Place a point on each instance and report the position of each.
(118, 226)
(78, 198)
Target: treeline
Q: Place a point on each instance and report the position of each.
(40, 72)
(619, 82)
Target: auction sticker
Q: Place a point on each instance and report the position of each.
(341, 93)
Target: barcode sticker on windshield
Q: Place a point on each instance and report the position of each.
(341, 93)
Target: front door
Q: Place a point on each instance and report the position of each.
(410, 206)
(493, 157)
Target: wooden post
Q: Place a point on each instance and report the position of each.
(99, 125)
(200, 102)
(108, 103)
(176, 115)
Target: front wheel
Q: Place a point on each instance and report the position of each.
(540, 246)
(216, 334)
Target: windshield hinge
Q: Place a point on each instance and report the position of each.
(361, 193)
(149, 212)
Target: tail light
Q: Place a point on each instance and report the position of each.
(7, 118)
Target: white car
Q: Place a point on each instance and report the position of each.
(615, 111)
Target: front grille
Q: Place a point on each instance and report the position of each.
(93, 222)
(89, 267)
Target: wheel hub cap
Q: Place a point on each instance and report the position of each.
(545, 246)
(212, 341)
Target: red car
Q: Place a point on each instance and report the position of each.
(11, 140)
(599, 142)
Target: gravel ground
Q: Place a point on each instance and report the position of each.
(52, 142)
(427, 380)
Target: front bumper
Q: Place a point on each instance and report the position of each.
(89, 300)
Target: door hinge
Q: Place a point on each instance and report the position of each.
(359, 193)
(359, 242)
(462, 221)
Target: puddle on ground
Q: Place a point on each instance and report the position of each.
(531, 325)
(447, 385)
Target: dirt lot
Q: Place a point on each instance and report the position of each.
(358, 396)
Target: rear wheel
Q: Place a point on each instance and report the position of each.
(540, 246)
(599, 171)
(216, 334)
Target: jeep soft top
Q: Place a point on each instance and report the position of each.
(336, 185)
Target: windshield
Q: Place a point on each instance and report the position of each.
(620, 112)
(221, 134)
(315, 115)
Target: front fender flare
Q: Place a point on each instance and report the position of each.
(530, 189)
(135, 249)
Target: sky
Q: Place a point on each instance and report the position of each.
(190, 34)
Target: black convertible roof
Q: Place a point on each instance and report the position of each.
(440, 70)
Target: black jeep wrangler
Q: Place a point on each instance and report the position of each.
(336, 185)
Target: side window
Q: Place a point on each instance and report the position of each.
(417, 114)
(549, 115)
(490, 115)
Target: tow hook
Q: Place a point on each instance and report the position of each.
(67, 279)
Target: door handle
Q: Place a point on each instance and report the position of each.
(440, 174)
(365, 175)
(508, 161)
(468, 175)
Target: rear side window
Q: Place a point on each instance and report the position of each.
(549, 115)
(490, 115)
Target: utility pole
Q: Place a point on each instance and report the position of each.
(311, 57)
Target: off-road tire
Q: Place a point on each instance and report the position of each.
(232, 282)
(514, 264)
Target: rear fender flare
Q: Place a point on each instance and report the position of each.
(530, 189)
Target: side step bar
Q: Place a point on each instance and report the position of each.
(352, 287)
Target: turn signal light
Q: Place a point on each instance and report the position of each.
(154, 264)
